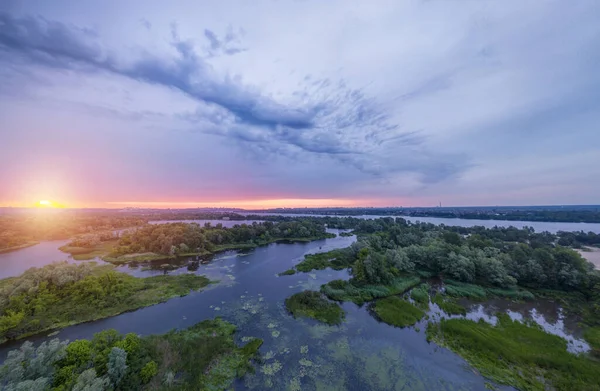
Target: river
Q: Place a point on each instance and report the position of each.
(361, 354)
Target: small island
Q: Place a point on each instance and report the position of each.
(63, 294)
(312, 304)
(168, 241)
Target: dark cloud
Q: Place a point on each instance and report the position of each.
(61, 46)
(215, 44)
(228, 45)
(329, 118)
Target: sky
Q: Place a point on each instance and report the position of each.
(299, 103)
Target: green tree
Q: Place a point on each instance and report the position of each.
(89, 381)
(117, 365)
(148, 371)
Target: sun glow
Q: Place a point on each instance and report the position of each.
(48, 204)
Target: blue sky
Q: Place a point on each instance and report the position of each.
(300, 102)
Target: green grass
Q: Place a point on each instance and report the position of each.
(461, 289)
(340, 290)
(143, 257)
(397, 312)
(448, 305)
(478, 292)
(313, 305)
(517, 354)
(420, 295)
(288, 272)
(592, 336)
(514, 294)
(335, 259)
(87, 253)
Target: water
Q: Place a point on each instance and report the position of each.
(546, 313)
(14, 263)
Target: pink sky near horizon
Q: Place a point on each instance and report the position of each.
(243, 204)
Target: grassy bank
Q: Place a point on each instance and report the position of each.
(516, 354)
(592, 336)
(312, 304)
(106, 255)
(202, 357)
(448, 305)
(397, 312)
(336, 259)
(87, 253)
(341, 290)
(61, 295)
(479, 292)
(19, 247)
(420, 295)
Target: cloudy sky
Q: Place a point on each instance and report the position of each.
(254, 103)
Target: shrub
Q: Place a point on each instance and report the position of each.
(148, 371)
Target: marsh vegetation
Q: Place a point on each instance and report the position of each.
(312, 304)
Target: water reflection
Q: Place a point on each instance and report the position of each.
(547, 314)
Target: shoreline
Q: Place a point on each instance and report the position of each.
(19, 247)
(102, 250)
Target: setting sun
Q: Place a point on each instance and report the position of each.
(48, 204)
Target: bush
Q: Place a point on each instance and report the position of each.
(148, 371)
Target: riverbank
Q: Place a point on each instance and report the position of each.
(62, 294)
(19, 247)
